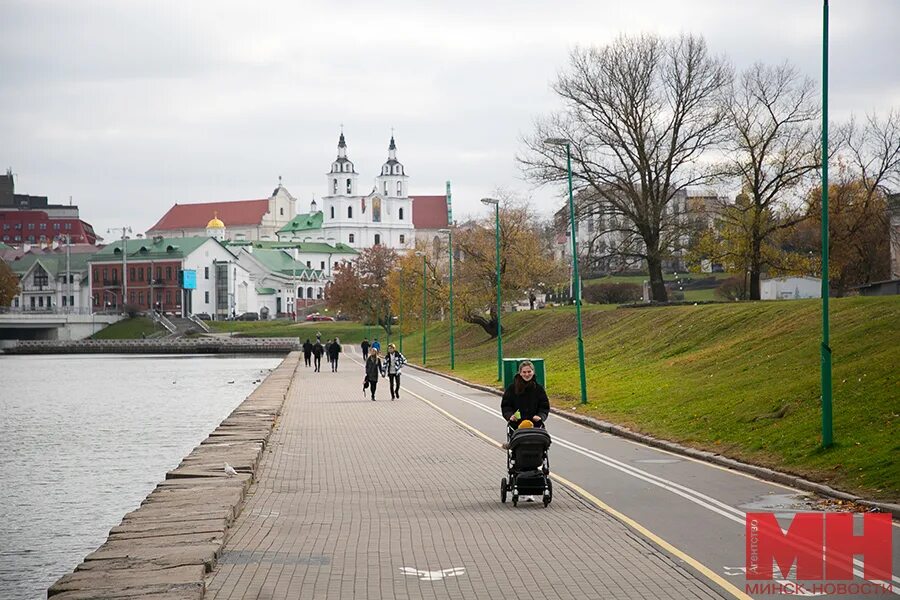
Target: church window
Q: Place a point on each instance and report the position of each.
(349, 212)
(377, 239)
(399, 188)
(402, 237)
(309, 292)
(281, 211)
(385, 188)
(349, 187)
(387, 170)
(352, 238)
(401, 213)
(335, 186)
(332, 212)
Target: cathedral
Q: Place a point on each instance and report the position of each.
(383, 216)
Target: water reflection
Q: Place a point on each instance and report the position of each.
(83, 439)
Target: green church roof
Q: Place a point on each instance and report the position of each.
(303, 222)
(156, 248)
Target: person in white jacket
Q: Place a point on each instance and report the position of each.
(393, 363)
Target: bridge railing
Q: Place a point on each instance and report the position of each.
(56, 310)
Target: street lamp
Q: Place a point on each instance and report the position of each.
(125, 231)
(424, 303)
(576, 282)
(496, 204)
(399, 272)
(449, 233)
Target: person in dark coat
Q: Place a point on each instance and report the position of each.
(374, 370)
(307, 352)
(334, 351)
(525, 398)
(365, 347)
(317, 351)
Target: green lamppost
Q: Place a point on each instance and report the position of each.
(449, 233)
(826, 349)
(496, 204)
(424, 304)
(399, 272)
(576, 281)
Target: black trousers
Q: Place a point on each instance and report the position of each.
(372, 385)
(334, 362)
(306, 358)
(394, 381)
(317, 361)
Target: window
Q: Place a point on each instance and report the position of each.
(396, 169)
(332, 212)
(352, 238)
(323, 265)
(18, 226)
(71, 300)
(206, 275)
(43, 226)
(115, 276)
(168, 274)
(131, 297)
(349, 186)
(400, 213)
(385, 188)
(377, 238)
(402, 239)
(64, 301)
(5, 226)
(158, 274)
(31, 226)
(131, 274)
(309, 292)
(335, 187)
(56, 226)
(140, 298)
(105, 275)
(140, 273)
(168, 296)
(16, 302)
(386, 170)
(349, 212)
(399, 188)
(281, 211)
(309, 264)
(31, 238)
(40, 302)
(68, 226)
(206, 297)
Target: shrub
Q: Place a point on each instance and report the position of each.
(732, 289)
(612, 293)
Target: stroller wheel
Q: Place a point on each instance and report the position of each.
(548, 493)
(503, 488)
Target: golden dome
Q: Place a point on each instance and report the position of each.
(215, 223)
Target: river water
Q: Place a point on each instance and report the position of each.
(84, 439)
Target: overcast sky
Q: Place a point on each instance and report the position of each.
(131, 106)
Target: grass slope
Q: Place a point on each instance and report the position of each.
(127, 329)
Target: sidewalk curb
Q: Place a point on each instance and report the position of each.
(763, 473)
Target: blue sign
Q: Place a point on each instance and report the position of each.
(189, 279)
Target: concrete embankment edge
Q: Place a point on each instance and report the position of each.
(763, 473)
(164, 548)
(201, 345)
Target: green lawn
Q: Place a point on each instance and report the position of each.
(347, 331)
(710, 376)
(127, 329)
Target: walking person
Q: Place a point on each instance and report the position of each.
(365, 347)
(393, 362)
(376, 344)
(317, 351)
(525, 399)
(374, 370)
(307, 352)
(334, 353)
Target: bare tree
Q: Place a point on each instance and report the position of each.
(639, 114)
(774, 151)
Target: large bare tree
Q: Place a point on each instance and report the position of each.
(774, 152)
(639, 115)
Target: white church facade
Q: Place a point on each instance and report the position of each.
(383, 216)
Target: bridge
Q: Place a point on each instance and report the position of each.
(56, 324)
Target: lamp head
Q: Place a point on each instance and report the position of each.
(557, 141)
(490, 201)
(443, 231)
(419, 253)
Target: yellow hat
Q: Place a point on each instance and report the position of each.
(526, 424)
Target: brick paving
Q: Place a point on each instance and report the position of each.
(350, 493)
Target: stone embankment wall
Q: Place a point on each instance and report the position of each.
(164, 548)
(174, 346)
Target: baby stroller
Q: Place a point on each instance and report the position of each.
(528, 465)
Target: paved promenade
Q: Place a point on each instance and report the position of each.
(361, 499)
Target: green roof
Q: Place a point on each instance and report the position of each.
(279, 261)
(265, 291)
(54, 264)
(4, 246)
(320, 247)
(303, 223)
(158, 248)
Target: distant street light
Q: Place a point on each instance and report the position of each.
(125, 231)
(399, 272)
(576, 281)
(424, 303)
(496, 204)
(449, 233)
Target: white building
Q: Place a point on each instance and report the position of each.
(790, 288)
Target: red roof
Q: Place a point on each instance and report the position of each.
(429, 212)
(196, 216)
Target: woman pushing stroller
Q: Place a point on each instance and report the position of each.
(525, 399)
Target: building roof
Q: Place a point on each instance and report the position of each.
(312, 247)
(54, 264)
(429, 212)
(304, 222)
(196, 216)
(151, 248)
(279, 261)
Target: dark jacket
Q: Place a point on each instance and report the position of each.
(318, 349)
(374, 368)
(333, 350)
(530, 402)
(307, 348)
(365, 349)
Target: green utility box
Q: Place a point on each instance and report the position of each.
(511, 368)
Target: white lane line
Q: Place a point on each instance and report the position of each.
(690, 494)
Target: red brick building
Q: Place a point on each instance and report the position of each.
(28, 219)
